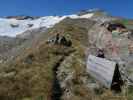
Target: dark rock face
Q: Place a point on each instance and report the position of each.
(100, 53)
(22, 17)
(60, 40)
(112, 27)
(14, 25)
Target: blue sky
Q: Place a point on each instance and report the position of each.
(122, 8)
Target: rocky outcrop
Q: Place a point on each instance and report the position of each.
(60, 40)
(22, 17)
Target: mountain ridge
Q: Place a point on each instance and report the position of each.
(49, 63)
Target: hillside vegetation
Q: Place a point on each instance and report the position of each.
(34, 72)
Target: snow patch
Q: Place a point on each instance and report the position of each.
(87, 15)
(13, 27)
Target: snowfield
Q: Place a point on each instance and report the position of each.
(13, 27)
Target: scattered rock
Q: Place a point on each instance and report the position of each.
(14, 25)
(29, 59)
(30, 25)
(60, 40)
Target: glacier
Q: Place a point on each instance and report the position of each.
(13, 27)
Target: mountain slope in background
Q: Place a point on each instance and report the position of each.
(16, 25)
(35, 66)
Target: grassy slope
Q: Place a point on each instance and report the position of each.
(24, 80)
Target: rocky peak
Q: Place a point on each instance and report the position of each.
(96, 10)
